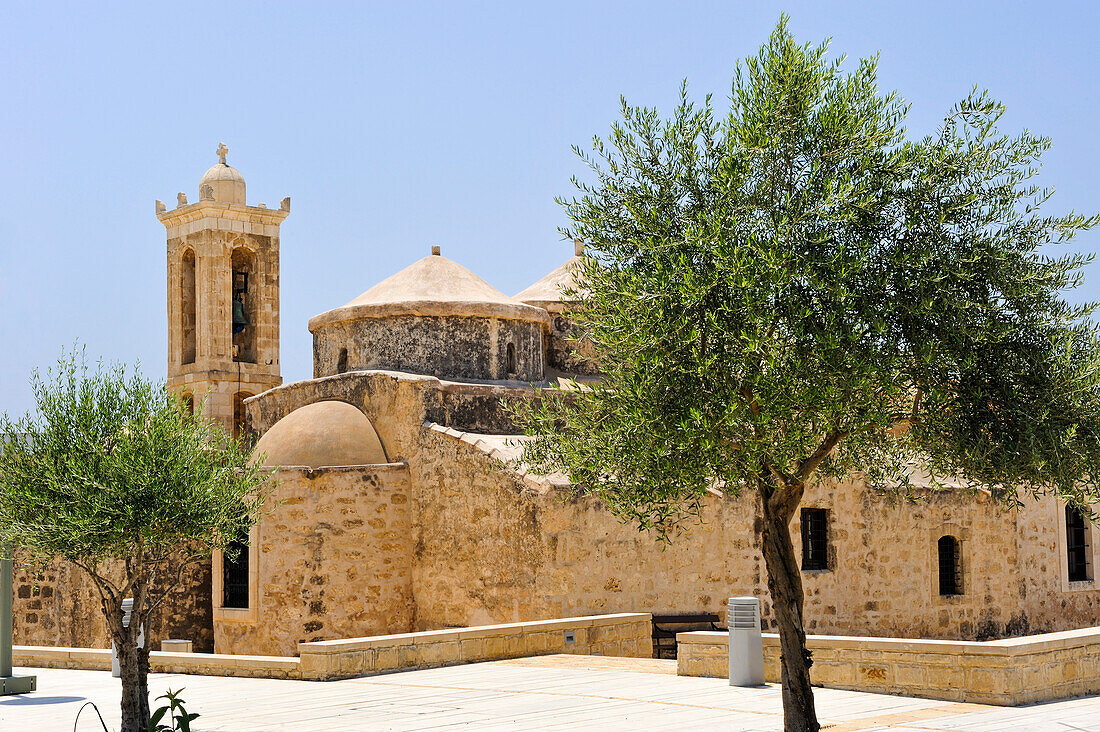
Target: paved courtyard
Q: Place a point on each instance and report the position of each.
(546, 693)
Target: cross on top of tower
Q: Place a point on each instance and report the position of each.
(222, 152)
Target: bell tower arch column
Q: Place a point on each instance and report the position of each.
(223, 294)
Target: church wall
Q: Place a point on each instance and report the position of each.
(565, 353)
(334, 561)
(60, 606)
(1054, 603)
(491, 547)
(445, 347)
(493, 550)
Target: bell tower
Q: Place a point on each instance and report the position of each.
(223, 294)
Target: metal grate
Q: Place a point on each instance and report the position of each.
(815, 538)
(950, 577)
(235, 577)
(1077, 545)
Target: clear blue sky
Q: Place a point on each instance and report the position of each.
(397, 125)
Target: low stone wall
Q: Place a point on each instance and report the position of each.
(624, 634)
(1006, 672)
(207, 664)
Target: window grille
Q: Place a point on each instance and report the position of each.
(950, 574)
(815, 538)
(235, 577)
(1077, 545)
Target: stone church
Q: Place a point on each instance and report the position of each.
(397, 506)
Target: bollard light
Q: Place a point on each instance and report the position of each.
(746, 644)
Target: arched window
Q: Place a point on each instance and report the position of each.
(244, 302)
(188, 321)
(510, 359)
(239, 413)
(342, 361)
(950, 569)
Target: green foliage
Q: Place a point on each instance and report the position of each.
(794, 290)
(113, 467)
(179, 718)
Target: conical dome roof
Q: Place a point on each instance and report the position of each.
(432, 286)
(547, 293)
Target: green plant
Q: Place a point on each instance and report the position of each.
(115, 476)
(180, 719)
(794, 292)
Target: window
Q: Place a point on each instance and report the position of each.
(240, 414)
(244, 306)
(187, 308)
(815, 538)
(1078, 533)
(189, 403)
(342, 361)
(510, 359)
(950, 573)
(235, 576)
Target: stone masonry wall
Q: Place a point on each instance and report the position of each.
(491, 547)
(446, 347)
(334, 562)
(60, 607)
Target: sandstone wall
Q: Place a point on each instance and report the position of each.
(334, 561)
(490, 546)
(1005, 672)
(494, 549)
(60, 607)
(1054, 603)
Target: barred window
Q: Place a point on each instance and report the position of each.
(815, 538)
(1077, 546)
(950, 570)
(235, 576)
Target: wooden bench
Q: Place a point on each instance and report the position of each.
(664, 639)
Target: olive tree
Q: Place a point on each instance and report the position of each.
(113, 474)
(794, 291)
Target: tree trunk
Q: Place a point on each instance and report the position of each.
(133, 664)
(785, 585)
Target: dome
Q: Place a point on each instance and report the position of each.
(547, 292)
(226, 182)
(319, 435)
(432, 286)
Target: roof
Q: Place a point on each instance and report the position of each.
(547, 292)
(432, 286)
(321, 434)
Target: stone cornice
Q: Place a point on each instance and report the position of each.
(220, 210)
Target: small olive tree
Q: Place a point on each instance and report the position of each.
(113, 474)
(795, 292)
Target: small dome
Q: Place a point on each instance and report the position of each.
(547, 292)
(225, 182)
(320, 435)
(432, 286)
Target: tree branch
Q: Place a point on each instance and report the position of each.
(807, 467)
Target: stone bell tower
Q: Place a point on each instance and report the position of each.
(223, 294)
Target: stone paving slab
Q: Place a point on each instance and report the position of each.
(543, 693)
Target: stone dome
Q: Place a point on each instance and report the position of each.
(436, 318)
(226, 183)
(322, 434)
(432, 286)
(547, 292)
